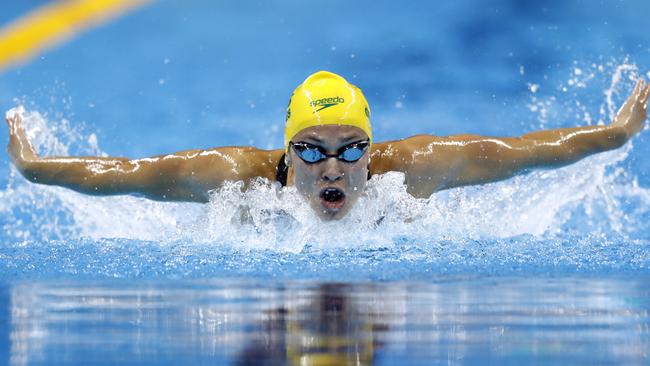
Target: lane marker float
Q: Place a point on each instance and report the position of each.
(51, 24)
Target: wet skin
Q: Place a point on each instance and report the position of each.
(429, 163)
(311, 179)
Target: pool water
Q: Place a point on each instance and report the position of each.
(453, 320)
(550, 267)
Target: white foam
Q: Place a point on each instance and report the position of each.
(593, 195)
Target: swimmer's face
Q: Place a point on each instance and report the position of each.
(331, 186)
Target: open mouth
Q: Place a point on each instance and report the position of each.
(332, 198)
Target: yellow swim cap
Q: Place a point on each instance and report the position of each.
(325, 98)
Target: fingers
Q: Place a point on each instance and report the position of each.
(644, 97)
(628, 105)
(642, 85)
(639, 90)
(17, 121)
(638, 87)
(10, 121)
(14, 122)
(641, 95)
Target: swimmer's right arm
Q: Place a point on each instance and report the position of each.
(183, 176)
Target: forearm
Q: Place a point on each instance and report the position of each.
(564, 146)
(552, 148)
(91, 175)
(486, 159)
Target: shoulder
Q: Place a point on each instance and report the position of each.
(233, 162)
(427, 161)
(400, 155)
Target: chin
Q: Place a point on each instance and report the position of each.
(331, 215)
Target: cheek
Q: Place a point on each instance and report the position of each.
(358, 176)
(360, 170)
(304, 177)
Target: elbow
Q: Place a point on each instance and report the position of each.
(617, 138)
(31, 171)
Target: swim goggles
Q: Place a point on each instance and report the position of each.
(311, 154)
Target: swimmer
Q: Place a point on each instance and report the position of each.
(329, 154)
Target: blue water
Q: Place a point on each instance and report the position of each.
(550, 267)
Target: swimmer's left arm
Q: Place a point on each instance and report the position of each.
(438, 163)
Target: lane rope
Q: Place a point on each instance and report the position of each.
(51, 24)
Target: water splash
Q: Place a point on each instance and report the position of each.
(594, 198)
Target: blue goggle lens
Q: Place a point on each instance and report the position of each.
(311, 155)
(352, 154)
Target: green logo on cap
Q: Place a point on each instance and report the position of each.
(326, 103)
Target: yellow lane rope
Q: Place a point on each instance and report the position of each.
(53, 23)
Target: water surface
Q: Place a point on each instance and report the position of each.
(550, 267)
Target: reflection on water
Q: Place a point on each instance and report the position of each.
(450, 321)
(327, 325)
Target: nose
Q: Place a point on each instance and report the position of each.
(332, 171)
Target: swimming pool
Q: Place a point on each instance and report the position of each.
(549, 267)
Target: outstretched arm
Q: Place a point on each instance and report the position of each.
(436, 163)
(183, 176)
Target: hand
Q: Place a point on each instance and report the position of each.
(20, 149)
(634, 111)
